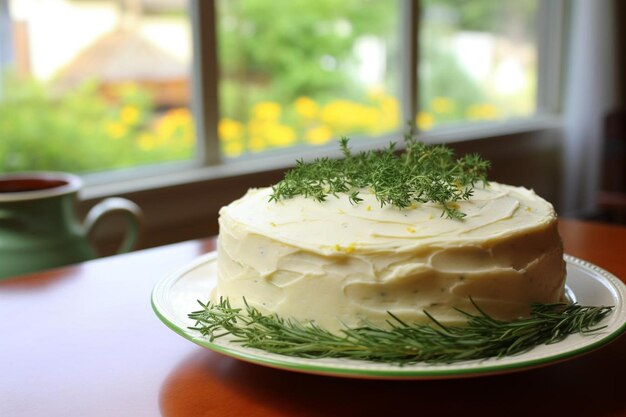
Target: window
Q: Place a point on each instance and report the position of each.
(96, 85)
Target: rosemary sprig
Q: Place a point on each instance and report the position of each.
(422, 173)
(403, 343)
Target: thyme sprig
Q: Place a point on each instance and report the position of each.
(420, 174)
(403, 343)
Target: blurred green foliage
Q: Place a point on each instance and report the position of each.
(78, 130)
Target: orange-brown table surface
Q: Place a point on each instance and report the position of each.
(83, 341)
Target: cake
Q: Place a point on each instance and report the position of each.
(336, 263)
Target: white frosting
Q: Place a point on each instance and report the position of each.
(334, 262)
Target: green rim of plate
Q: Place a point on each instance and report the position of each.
(389, 371)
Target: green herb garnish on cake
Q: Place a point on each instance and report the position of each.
(420, 174)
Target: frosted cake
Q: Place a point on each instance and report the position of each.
(336, 263)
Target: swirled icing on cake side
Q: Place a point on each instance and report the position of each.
(336, 263)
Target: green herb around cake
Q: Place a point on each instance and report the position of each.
(403, 343)
(420, 174)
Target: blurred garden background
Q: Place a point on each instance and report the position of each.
(93, 85)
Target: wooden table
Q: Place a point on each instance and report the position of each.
(83, 341)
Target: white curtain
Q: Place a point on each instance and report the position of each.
(590, 91)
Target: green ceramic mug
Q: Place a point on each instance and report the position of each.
(38, 226)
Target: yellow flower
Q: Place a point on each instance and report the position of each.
(306, 107)
(178, 124)
(129, 114)
(257, 144)
(179, 116)
(345, 116)
(389, 105)
(425, 120)
(280, 135)
(490, 111)
(332, 112)
(116, 130)
(256, 128)
(229, 129)
(390, 114)
(318, 135)
(267, 111)
(233, 149)
(483, 111)
(442, 105)
(146, 142)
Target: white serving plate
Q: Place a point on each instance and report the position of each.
(174, 297)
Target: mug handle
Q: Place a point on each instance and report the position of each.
(108, 205)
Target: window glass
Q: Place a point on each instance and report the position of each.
(300, 72)
(478, 61)
(94, 85)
